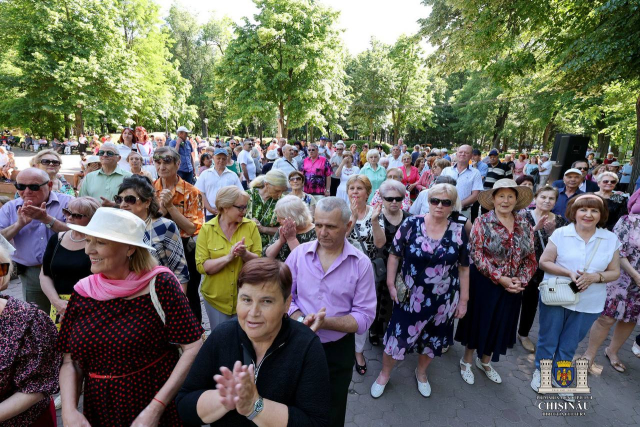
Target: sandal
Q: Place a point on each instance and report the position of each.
(361, 369)
(467, 373)
(617, 365)
(492, 374)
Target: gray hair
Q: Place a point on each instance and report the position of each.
(340, 144)
(450, 191)
(275, 177)
(392, 185)
(168, 150)
(445, 179)
(329, 204)
(110, 145)
(373, 152)
(607, 173)
(293, 207)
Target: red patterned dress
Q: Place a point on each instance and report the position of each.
(123, 336)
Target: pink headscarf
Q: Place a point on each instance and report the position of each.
(633, 204)
(98, 287)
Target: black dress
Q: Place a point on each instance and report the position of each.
(66, 268)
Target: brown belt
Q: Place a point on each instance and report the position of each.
(110, 377)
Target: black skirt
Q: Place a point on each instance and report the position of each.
(491, 321)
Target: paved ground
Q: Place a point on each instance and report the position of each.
(453, 402)
(70, 162)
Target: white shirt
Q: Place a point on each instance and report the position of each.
(547, 166)
(285, 166)
(421, 205)
(395, 163)
(210, 182)
(467, 182)
(244, 158)
(335, 161)
(574, 253)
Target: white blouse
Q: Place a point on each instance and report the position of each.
(574, 253)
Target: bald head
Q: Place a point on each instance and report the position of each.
(463, 155)
(31, 177)
(31, 174)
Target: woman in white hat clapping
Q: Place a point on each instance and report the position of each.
(122, 330)
(504, 260)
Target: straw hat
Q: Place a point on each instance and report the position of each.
(525, 195)
(115, 225)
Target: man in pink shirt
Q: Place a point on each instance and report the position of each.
(334, 293)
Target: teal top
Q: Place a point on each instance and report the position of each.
(376, 177)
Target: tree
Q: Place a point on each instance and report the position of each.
(289, 63)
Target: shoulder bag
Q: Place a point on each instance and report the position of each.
(556, 291)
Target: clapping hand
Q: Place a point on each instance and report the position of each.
(38, 213)
(239, 249)
(541, 223)
(226, 385)
(166, 199)
(377, 209)
(23, 219)
(246, 392)
(315, 320)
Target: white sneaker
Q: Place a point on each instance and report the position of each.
(423, 388)
(535, 381)
(636, 349)
(492, 374)
(377, 389)
(58, 402)
(467, 373)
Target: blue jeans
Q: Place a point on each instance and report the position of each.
(187, 176)
(561, 331)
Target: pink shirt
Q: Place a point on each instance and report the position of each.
(347, 287)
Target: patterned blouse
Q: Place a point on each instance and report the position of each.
(262, 210)
(617, 205)
(285, 250)
(315, 173)
(496, 252)
(542, 233)
(188, 200)
(406, 202)
(362, 234)
(163, 234)
(28, 360)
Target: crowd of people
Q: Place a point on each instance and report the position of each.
(300, 253)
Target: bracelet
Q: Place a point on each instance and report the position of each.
(601, 277)
(160, 402)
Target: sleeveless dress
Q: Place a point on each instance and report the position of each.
(125, 336)
(344, 177)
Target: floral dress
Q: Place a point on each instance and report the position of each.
(623, 295)
(424, 323)
(262, 210)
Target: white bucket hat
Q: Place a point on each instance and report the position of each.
(115, 225)
(183, 129)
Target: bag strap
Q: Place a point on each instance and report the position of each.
(55, 251)
(155, 300)
(593, 253)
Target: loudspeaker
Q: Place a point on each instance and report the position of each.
(569, 148)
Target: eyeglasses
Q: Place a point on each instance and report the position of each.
(167, 160)
(48, 162)
(102, 153)
(32, 187)
(339, 149)
(241, 208)
(311, 150)
(295, 178)
(4, 268)
(130, 200)
(445, 202)
(584, 168)
(393, 199)
(606, 181)
(67, 213)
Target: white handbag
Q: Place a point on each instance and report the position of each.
(556, 291)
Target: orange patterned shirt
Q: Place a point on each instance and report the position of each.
(188, 200)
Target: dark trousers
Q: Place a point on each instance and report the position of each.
(340, 358)
(194, 280)
(187, 176)
(529, 306)
(335, 183)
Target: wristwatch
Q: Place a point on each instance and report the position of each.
(300, 319)
(257, 408)
(50, 225)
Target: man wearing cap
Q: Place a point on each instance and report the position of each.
(571, 180)
(104, 183)
(625, 176)
(187, 154)
(30, 221)
(286, 163)
(272, 157)
(544, 166)
(468, 179)
(496, 170)
(587, 185)
(213, 179)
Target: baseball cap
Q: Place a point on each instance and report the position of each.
(221, 151)
(476, 152)
(183, 129)
(493, 153)
(573, 170)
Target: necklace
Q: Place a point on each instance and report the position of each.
(74, 240)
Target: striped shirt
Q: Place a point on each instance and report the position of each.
(494, 173)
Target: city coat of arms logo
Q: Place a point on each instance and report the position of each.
(564, 373)
(564, 377)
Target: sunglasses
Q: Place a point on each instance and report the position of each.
(241, 208)
(4, 268)
(67, 213)
(393, 199)
(48, 162)
(130, 200)
(311, 150)
(167, 160)
(583, 168)
(103, 153)
(445, 203)
(295, 178)
(605, 181)
(32, 187)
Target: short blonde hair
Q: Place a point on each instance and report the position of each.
(392, 185)
(85, 205)
(450, 191)
(293, 207)
(227, 196)
(274, 177)
(363, 179)
(142, 261)
(607, 173)
(405, 155)
(35, 160)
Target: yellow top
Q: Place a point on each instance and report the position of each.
(220, 289)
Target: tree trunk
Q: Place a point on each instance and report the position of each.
(282, 127)
(503, 113)
(636, 150)
(79, 125)
(311, 134)
(547, 132)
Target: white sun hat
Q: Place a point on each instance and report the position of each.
(115, 225)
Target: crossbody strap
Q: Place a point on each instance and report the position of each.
(593, 253)
(155, 300)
